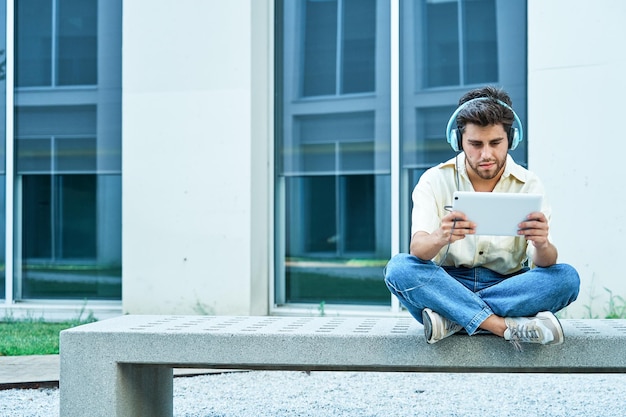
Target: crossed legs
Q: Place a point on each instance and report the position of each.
(477, 297)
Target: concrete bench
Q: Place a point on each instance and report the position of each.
(124, 366)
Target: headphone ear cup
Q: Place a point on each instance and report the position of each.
(454, 140)
(514, 138)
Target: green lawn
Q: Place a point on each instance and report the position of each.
(31, 337)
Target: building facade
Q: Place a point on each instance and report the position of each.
(257, 157)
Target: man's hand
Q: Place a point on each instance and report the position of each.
(536, 230)
(455, 226)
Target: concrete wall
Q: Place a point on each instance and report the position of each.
(188, 182)
(576, 88)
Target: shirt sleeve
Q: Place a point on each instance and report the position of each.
(430, 196)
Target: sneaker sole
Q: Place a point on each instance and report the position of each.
(428, 326)
(559, 337)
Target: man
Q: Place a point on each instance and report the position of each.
(453, 279)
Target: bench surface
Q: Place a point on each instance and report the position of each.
(127, 361)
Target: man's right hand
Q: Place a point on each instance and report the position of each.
(454, 226)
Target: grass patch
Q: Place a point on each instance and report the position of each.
(33, 337)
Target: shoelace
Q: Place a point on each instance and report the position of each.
(515, 340)
(523, 333)
(448, 325)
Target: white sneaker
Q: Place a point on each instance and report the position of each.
(544, 328)
(437, 327)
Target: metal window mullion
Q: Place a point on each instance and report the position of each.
(461, 38)
(339, 249)
(339, 49)
(54, 200)
(394, 29)
(9, 152)
(53, 46)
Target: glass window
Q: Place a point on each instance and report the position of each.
(338, 47)
(480, 44)
(459, 52)
(59, 240)
(426, 146)
(333, 123)
(334, 153)
(320, 48)
(77, 42)
(442, 43)
(33, 43)
(67, 156)
(56, 42)
(358, 46)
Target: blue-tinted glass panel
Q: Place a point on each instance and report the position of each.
(33, 155)
(63, 253)
(441, 43)
(336, 127)
(317, 158)
(320, 48)
(37, 208)
(358, 46)
(355, 157)
(61, 218)
(333, 182)
(75, 155)
(68, 180)
(33, 43)
(331, 222)
(331, 143)
(49, 139)
(78, 207)
(70, 214)
(428, 146)
(77, 42)
(480, 47)
(358, 192)
(57, 120)
(317, 221)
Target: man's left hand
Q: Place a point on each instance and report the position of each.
(535, 229)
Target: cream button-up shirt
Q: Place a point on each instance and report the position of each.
(502, 254)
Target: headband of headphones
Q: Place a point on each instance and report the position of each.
(453, 135)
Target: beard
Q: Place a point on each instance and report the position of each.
(496, 166)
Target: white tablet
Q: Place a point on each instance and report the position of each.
(496, 214)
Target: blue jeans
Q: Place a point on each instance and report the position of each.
(468, 296)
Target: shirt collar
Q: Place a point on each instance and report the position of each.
(510, 169)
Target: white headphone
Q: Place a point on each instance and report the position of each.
(515, 135)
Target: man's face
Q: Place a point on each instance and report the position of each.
(485, 150)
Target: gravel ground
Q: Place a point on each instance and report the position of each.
(286, 394)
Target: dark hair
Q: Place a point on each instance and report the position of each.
(486, 112)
